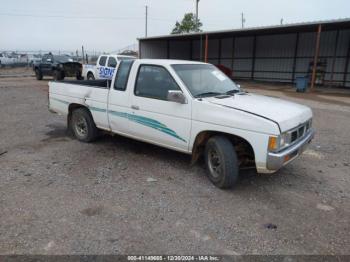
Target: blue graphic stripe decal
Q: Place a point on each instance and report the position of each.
(149, 122)
(97, 109)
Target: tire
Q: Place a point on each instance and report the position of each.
(78, 76)
(83, 126)
(58, 75)
(221, 162)
(90, 76)
(38, 74)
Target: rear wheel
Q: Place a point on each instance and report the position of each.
(90, 76)
(38, 74)
(83, 125)
(58, 75)
(221, 161)
(78, 76)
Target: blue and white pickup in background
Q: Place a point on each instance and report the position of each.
(104, 68)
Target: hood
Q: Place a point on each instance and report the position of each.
(286, 114)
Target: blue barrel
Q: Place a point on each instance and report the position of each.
(301, 83)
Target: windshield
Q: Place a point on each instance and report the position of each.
(63, 59)
(205, 80)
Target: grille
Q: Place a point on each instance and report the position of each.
(300, 131)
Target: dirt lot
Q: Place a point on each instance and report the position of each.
(118, 196)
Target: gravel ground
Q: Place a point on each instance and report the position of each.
(119, 196)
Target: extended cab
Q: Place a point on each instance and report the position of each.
(190, 107)
(104, 68)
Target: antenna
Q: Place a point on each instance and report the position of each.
(146, 21)
(197, 1)
(243, 20)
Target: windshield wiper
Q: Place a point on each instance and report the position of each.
(208, 94)
(232, 92)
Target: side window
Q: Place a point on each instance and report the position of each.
(102, 61)
(154, 82)
(123, 75)
(112, 62)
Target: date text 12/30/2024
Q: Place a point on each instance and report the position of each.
(174, 258)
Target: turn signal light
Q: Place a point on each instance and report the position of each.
(286, 158)
(273, 143)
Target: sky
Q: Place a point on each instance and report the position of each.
(111, 25)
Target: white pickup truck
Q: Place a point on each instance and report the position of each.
(104, 68)
(190, 107)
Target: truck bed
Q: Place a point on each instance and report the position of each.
(64, 93)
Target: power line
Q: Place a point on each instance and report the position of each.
(85, 17)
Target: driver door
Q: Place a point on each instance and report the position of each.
(153, 118)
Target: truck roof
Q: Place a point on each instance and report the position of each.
(167, 61)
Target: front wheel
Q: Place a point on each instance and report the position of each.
(38, 74)
(221, 161)
(83, 125)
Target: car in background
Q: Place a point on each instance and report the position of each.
(104, 67)
(6, 59)
(58, 66)
(34, 59)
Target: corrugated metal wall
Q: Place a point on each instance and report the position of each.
(278, 57)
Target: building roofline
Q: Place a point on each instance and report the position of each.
(253, 29)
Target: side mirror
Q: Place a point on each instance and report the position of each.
(239, 87)
(176, 96)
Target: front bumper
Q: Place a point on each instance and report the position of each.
(277, 160)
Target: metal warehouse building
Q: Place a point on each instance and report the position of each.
(319, 50)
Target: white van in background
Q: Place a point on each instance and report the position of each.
(104, 67)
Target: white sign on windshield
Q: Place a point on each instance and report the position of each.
(219, 75)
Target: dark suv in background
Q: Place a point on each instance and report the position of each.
(58, 66)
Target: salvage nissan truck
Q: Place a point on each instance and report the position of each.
(189, 107)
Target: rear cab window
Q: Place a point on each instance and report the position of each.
(122, 76)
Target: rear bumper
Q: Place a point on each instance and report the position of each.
(277, 160)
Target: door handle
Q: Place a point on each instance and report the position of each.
(135, 107)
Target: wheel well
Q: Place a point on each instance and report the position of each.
(244, 150)
(90, 73)
(71, 108)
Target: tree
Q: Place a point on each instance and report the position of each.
(187, 25)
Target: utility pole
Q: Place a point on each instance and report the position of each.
(146, 22)
(197, 1)
(281, 21)
(243, 20)
(82, 53)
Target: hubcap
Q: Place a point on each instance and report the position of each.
(215, 163)
(81, 126)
